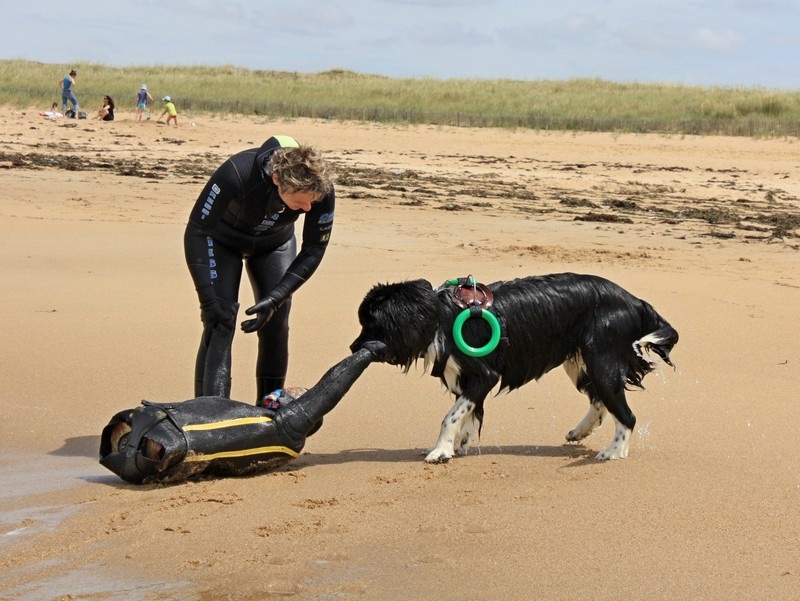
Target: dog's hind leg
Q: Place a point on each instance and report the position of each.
(457, 429)
(576, 370)
(592, 419)
(613, 397)
(619, 446)
(606, 394)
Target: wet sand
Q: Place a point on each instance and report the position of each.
(100, 313)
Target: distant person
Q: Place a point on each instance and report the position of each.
(143, 98)
(169, 109)
(106, 112)
(67, 87)
(52, 113)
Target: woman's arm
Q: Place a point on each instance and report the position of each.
(317, 229)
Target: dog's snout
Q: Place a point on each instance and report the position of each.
(356, 344)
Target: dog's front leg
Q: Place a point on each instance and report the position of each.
(456, 425)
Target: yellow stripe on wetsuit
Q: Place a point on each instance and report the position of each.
(228, 423)
(242, 453)
(231, 423)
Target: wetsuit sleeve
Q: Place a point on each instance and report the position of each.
(221, 189)
(317, 227)
(298, 418)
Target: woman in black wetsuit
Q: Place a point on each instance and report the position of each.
(245, 217)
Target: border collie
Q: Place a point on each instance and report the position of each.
(599, 332)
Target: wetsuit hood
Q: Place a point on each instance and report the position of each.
(271, 145)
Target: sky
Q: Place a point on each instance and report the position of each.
(729, 43)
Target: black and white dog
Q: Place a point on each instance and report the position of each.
(598, 331)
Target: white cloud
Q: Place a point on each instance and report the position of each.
(680, 41)
(574, 33)
(717, 40)
(448, 34)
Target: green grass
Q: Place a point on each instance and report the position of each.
(576, 104)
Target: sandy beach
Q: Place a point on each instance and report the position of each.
(100, 313)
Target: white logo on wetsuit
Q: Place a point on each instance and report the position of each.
(212, 196)
(269, 221)
(211, 261)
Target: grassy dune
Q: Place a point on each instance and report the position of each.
(576, 104)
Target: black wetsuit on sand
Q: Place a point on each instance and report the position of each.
(170, 442)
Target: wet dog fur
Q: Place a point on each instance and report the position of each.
(601, 334)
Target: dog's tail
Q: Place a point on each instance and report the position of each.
(659, 342)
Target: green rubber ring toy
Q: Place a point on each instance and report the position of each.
(487, 348)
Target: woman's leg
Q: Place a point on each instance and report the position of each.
(265, 271)
(209, 261)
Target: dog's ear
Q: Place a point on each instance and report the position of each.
(421, 284)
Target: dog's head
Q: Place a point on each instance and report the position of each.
(404, 316)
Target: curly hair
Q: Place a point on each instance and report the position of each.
(300, 168)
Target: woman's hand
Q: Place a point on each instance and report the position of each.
(265, 308)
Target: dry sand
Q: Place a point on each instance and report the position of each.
(99, 313)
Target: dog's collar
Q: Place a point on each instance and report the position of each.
(467, 293)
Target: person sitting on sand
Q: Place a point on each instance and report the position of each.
(169, 109)
(106, 112)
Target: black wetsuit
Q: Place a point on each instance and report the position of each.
(239, 218)
(169, 442)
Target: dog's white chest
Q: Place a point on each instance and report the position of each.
(452, 370)
(452, 376)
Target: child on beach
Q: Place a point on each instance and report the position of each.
(143, 98)
(169, 109)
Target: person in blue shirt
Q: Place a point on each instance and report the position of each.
(245, 218)
(143, 98)
(67, 87)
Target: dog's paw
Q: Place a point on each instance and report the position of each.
(575, 435)
(612, 452)
(438, 456)
(618, 449)
(583, 429)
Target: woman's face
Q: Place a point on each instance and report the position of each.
(300, 200)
